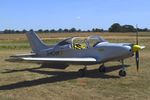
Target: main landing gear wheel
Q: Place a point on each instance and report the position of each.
(82, 71)
(122, 73)
(102, 68)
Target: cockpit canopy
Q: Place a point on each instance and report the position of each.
(94, 40)
(81, 42)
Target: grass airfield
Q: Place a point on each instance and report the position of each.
(24, 81)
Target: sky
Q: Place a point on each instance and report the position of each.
(81, 14)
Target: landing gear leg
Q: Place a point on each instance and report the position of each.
(82, 71)
(102, 68)
(122, 72)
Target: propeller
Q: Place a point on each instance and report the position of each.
(137, 52)
(136, 48)
(137, 35)
(137, 60)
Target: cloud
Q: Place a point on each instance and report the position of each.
(78, 17)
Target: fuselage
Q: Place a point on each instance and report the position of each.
(103, 52)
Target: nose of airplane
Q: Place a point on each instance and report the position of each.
(127, 47)
(133, 47)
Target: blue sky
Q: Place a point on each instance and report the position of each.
(83, 14)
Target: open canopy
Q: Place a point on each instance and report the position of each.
(82, 42)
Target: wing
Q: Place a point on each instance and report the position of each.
(53, 60)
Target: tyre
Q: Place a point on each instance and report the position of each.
(102, 69)
(122, 73)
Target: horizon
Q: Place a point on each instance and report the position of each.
(66, 14)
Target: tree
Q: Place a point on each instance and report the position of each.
(31, 30)
(66, 30)
(128, 28)
(88, 31)
(124, 28)
(72, 30)
(9, 31)
(40, 31)
(97, 30)
(115, 28)
(46, 31)
(60, 30)
(24, 31)
(143, 30)
(17, 31)
(53, 31)
(79, 30)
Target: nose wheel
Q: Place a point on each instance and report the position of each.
(122, 72)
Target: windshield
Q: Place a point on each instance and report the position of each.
(65, 42)
(94, 40)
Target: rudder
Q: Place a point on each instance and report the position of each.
(35, 42)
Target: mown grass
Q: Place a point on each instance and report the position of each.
(19, 81)
(19, 41)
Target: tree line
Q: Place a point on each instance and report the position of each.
(54, 30)
(116, 27)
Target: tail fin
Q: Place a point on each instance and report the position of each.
(35, 42)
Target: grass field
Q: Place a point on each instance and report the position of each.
(30, 82)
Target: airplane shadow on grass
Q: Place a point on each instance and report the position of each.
(58, 76)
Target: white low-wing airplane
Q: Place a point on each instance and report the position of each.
(78, 51)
